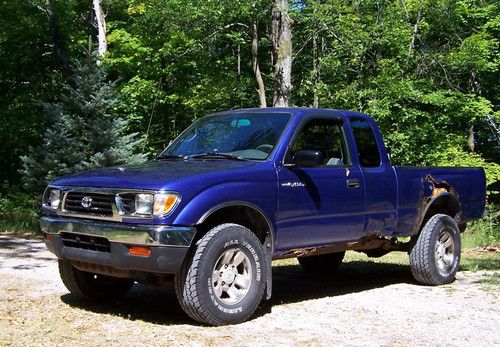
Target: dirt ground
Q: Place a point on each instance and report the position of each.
(364, 304)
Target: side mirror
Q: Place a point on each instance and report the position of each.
(308, 158)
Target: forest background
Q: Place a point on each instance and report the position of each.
(94, 83)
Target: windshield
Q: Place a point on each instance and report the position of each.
(247, 136)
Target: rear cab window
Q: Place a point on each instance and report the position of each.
(368, 152)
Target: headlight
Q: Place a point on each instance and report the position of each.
(52, 198)
(157, 205)
(144, 204)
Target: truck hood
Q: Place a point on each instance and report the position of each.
(150, 175)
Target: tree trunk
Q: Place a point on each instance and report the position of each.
(261, 90)
(101, 28)
(59, 51)
(411, 47)
(316, 67)
(281, 37)
(238, 52)
(470, 140)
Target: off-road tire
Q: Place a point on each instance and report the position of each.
(194, 284)
(427, 264)
(86, 285)
(323, 263)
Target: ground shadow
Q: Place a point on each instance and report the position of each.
(23, 249)
(148, 304)
(290, 284)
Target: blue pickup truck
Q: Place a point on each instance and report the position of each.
(240, 188)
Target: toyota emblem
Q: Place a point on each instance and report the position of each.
(86, 201)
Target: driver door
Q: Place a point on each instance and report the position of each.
(320, 205)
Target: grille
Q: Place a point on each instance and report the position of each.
(101, 204)
(91, 243)
(126, 203)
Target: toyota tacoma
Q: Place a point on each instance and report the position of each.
(240, 188)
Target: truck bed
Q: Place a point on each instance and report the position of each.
(419, 186)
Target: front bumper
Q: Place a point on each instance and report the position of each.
(108, 243)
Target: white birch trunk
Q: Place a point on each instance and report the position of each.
(101, 28)
(261, 90)
(282, 51)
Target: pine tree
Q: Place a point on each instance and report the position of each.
(85, 131)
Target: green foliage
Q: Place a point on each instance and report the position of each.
(172, 74)
(484, 232)
(84, 132)
(29, 71)
(427, 70)
(455, 156)
(19, 212)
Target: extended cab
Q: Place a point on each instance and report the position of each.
(242, 187)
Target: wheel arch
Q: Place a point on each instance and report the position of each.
(247, 215)
(238, 212)
(445, 203)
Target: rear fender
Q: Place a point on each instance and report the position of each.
(445, 202)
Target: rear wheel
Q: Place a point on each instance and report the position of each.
(91, 286)
(322, 263)
(224, 279)
(435, 258)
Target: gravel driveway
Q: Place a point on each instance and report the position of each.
(364, 304)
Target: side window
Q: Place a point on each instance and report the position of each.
(368, 153)
(326, 136)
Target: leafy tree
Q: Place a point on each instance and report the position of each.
(199, 63)
(427, 70)
(423, 69)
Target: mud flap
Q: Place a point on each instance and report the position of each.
(269, 267)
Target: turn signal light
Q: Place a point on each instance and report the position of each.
(139, 250)
(164, 203)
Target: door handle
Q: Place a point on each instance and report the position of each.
(353, 183)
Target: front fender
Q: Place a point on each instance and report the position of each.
(262, 195)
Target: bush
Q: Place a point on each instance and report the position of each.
(19, 212)
(484, 232)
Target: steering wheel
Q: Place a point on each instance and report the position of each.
(266, 148)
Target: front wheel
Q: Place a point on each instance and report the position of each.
(435, 258)
(223, 281)
(86, 285)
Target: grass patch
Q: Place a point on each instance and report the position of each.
(476, 261)
(483, 232)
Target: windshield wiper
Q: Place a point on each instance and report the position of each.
(171, 156)
(217, 155)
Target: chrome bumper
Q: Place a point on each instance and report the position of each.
(134, 234)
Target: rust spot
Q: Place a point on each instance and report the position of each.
(374, 240)
(301, 252)
(438, 187)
